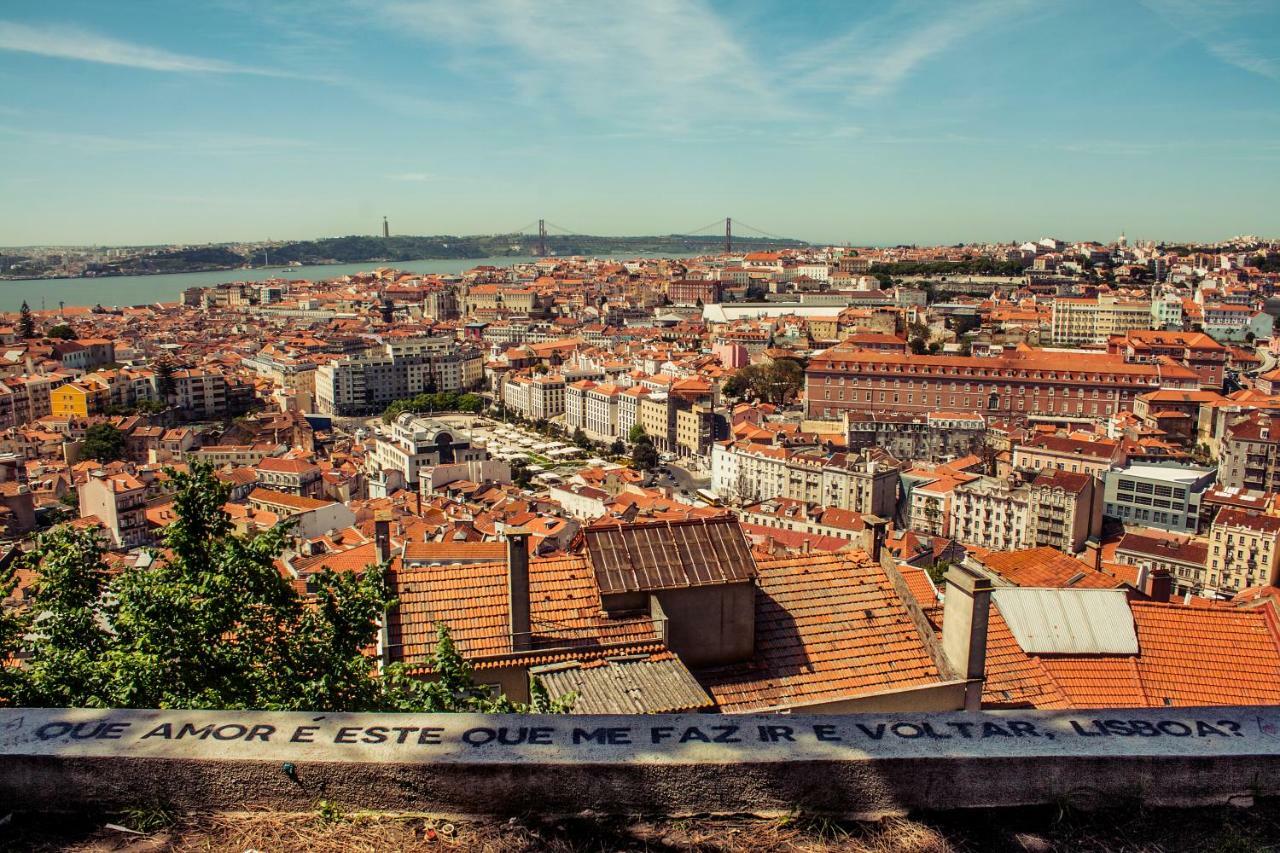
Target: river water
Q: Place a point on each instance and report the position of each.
(111, 291)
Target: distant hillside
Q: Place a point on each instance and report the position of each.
(397, 248)
(361, 249)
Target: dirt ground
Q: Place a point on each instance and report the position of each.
(329, 828)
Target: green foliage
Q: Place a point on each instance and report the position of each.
(165, 384)
(212, 624)
(644, 455)
(26, 322)
(520, 474)
(617, 448)
(442, 401)
(974, 266)
(13, 626)
(637, 432)
(62, 332)
(103, 443)
(776, 382)
(67, 649)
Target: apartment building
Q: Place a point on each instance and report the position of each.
(750, 473)
(78, 400)
(398, 370)
(119, 501)
(1092, 321)
(1166, 497)
(932, 436)
(1195, 350)
(200, 394)
(535, 397)
(1244, 551)
(1064, 453)
(1184, 558)
(1023, 384)
(294, 476)
(601, 410)
(991, 513)
(1064, 510)
(1249, 453)
(575, 403)
(1058, 509)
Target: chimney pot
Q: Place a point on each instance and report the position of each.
(1159, 585)
(382, 536)
(966, 609)
(518, 588)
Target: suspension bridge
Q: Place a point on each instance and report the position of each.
(543, 229)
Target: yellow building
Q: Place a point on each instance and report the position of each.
(78, 399)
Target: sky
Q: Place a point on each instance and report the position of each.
(872, 122)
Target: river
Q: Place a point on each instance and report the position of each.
(111, 291)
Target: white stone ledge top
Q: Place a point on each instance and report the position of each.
(660, 739)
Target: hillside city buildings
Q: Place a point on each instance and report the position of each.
(877, 460)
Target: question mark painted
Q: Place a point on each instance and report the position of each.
(1232, 726)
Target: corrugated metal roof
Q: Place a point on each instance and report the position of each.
(1069, 621)
(659, 684)
(642, 557)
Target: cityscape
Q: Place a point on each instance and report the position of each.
(632, 534)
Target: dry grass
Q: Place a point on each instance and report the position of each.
(330, 829)
(369, 833)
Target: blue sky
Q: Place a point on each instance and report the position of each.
(872, 122)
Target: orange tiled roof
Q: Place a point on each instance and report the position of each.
(565, 613)
(828, 626)
(1187, 656)
(1047, 567)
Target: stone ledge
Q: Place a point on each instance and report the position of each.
(850, 765)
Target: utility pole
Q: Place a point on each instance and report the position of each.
(542, 238)
(728, 235)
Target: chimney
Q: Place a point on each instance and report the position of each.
(382, 535)
(518, 587)
(966, 607)
(875, 529)
(1159, 585)
(1093, 553)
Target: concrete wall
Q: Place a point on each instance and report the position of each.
(464, 764)
(710, 625)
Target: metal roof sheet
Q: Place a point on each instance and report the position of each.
(647, 685)
(1069, 621)
(669, 554)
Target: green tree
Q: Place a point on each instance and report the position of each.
(212, 624)
(637, 432)
(644, 455)
(62, 332)
(13, 626)
(102, 442)
(166, 385)
(26, 322)
(67, 663)
(617, 448)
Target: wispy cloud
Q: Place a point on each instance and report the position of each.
(666, 60)
(1225, 29)
(66, 42)
(874, 58)
(190, 142)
